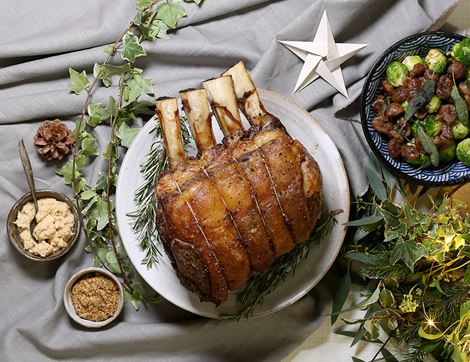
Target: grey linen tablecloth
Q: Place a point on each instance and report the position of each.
(39, 40)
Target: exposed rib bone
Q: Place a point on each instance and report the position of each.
(167, 112)
(196, 107)
(247, 95)
(224, 104)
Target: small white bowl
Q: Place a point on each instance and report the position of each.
(68, 298)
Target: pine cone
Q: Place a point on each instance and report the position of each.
(53, 140)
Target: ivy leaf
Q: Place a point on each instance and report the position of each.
(126, 134)
(98, 113)
(458, 355)
(109, 49)
(128, 297)
(464, 308)
(171, 13)
(141, 4)
(135, 87)
(131, 48)
(404, 251)
(143, 108)
(386, 298)
(340, 297)
(99, 214)
(78, 81)
(113, 262)
(105, 72)
(66, 170)
(89, 147)
(87, 195)
(466, 278)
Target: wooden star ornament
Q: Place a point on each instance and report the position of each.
(323, 57)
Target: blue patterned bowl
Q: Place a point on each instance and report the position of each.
(449, 174)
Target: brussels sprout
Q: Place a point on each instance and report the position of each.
(461, 51)
(459, 130)
(430, 125)
(396, 73)
(405, 105)
(433, 104)
(447, 154)
(411, 60)
(463, 152)
(436, 61)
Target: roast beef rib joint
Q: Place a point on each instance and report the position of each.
(229, 212)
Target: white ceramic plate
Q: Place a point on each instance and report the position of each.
(162, 277)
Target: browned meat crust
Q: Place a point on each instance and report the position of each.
(230, 212)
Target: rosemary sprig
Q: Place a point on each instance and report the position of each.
(261, 285)
(144, 218)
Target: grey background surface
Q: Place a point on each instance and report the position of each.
(39, 40)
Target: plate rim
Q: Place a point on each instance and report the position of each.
(316, 279)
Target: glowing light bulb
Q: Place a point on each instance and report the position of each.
(431, 323)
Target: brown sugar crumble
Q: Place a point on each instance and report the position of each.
(95, 297)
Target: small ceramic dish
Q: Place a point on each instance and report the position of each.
(448, 174)
(68, 298)
(14, 235)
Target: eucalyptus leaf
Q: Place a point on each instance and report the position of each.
(388, 357)
(78, 81)
(360, 257)
(357, 359)
(340, 297)
(359, 335)
(376, 184)
(429, 146)
(373, 219)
